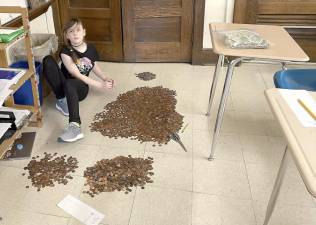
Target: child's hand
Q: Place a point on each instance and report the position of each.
(105, 85)
(109, 83)
(109, 80)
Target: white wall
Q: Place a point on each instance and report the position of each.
(216, 11)
(44, 23)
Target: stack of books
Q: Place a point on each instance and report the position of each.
(21, 115)
(10, 120)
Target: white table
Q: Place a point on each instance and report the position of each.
(301, 143)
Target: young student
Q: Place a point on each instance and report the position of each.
(71, 82)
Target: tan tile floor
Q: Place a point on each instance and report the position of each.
(187, 189)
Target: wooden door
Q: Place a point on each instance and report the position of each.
(102, 20)
(285, 12)
(157, 30)
(298, 16)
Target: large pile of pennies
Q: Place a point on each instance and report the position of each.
(146, 76)
(145, 114)
(50, 169)
(120, 173)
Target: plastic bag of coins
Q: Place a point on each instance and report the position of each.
(120, 173)
(50, 169)
(146, 76)
(144, 114)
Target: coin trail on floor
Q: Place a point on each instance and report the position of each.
(146, 114)
(51, 169)
(120, 173)
(146, 76)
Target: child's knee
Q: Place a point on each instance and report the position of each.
(48, 60)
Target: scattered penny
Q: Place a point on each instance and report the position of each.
(146, 76)
(120, 173)
(50, 169)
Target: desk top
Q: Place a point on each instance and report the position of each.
(282, 45)
(301, 140)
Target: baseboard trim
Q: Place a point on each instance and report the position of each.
(204, 57)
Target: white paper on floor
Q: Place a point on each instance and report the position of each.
(81, 211)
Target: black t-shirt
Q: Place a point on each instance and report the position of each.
(85, 61)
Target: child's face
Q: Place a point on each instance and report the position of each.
(76, 34)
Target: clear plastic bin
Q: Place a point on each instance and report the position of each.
(42, 45)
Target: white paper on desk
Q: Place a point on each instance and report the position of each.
(291, 97)
(81, 211)
(4, 94)
(7, 83)
(4, 84)
(20, 115)
(3, 128)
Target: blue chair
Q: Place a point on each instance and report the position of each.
(304, 79)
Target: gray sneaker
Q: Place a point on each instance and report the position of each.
(61, 105)
(71, 133)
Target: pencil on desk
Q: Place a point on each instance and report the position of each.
(310, 111)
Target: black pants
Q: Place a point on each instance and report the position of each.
(75, 90)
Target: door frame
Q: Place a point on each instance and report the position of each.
(200, 55)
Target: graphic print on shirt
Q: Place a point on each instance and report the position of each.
(84, 65)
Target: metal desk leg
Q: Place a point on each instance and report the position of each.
(222, 104)
(214, 82)
(276, 187)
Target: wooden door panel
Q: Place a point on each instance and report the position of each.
(164, 52)
(157, 30)
(159, 3)
(294, 12)
(292, 7)
(102, 20)
(285, 12)
(90, 13)
(101, 31)
(167, 29)
(287, 20)
(89, 4)
(299, 14)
